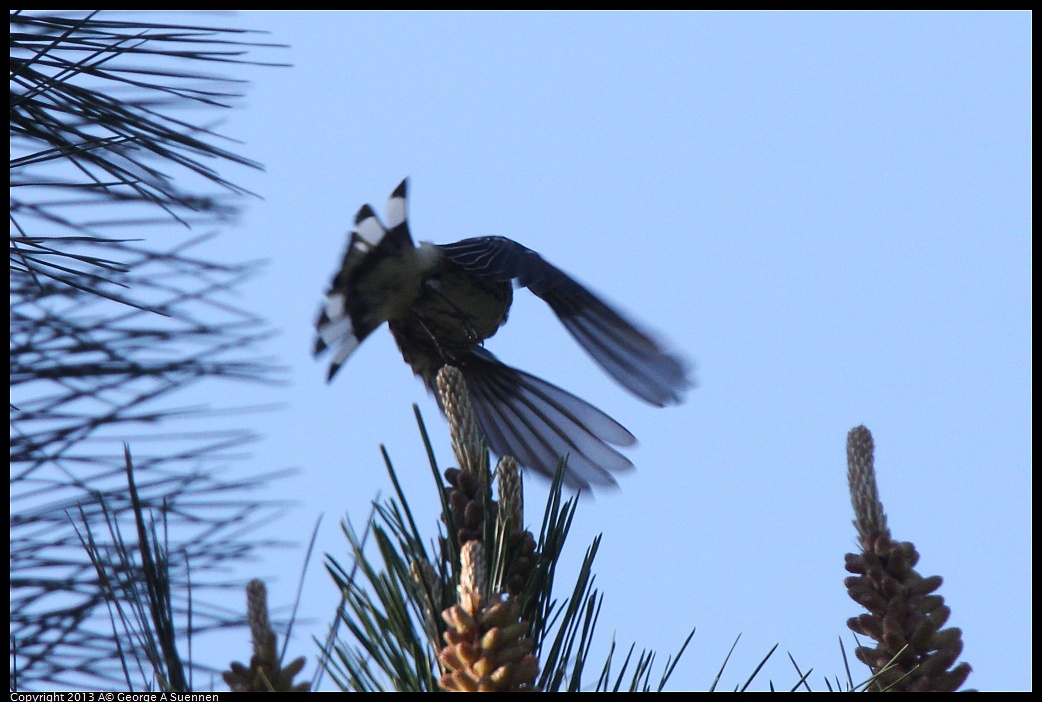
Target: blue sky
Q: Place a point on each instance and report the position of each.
(828, 214)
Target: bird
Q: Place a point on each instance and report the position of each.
(442, 302)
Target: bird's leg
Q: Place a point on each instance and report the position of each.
(460, 313)
(445, 356)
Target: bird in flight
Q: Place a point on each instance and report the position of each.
(442, 301)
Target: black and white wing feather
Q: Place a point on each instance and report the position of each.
(356, 302)
(628, 354)
(537, 423)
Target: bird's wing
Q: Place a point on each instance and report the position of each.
(628, 354)
(349, 315)
(538, 423)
